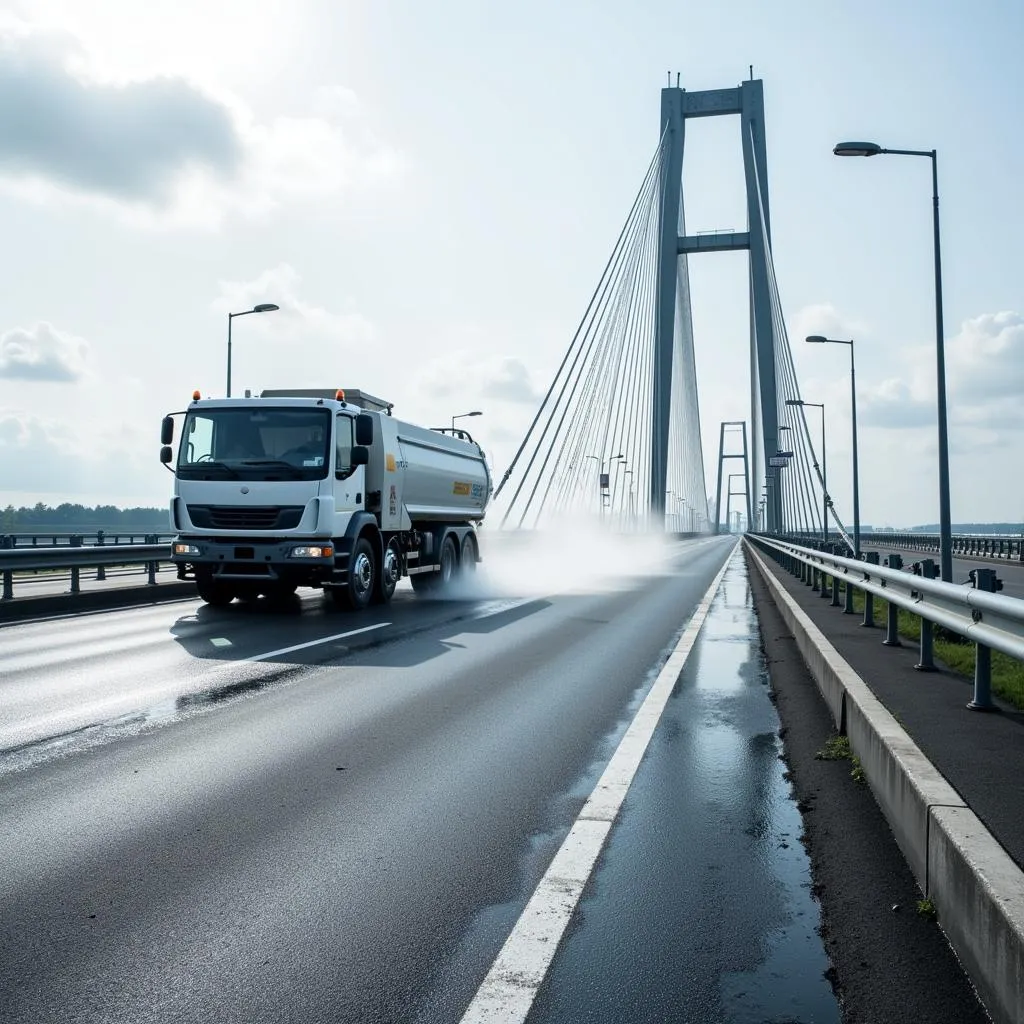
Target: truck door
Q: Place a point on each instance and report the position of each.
(349, 480)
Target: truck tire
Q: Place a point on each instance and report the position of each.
(360, 579)
(423, 582)
(467, 564)
(449, 561)
(219, 595)
(390, 573)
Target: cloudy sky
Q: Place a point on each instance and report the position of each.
(430, 191)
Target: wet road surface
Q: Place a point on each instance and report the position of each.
(257, 814)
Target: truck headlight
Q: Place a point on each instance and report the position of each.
(313, 551)
(186, 549)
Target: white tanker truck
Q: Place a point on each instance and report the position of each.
(320, 488)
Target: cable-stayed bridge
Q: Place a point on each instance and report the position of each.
(618, 433)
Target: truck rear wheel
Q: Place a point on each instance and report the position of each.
(449, 559)
(467, 564)
(360, 580)
(390, 573)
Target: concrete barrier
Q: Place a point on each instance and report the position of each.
(977, 889)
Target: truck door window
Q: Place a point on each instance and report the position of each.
(343, 445)
(198, 441)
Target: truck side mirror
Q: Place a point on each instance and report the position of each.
(360, 455)
(167, 430)
(166, 455)
(364, 429)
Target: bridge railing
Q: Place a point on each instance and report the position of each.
(992, 621)
(36, 564)
(81, 538)
(1000, 548)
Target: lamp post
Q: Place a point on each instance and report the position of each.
(824, 464)
(818, 339)
(601, 483)
(945, 525)
(263, 307)
(785, 484)
(463, 415)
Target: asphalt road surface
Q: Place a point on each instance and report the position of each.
(269, 813)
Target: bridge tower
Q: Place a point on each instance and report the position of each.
(675, 246)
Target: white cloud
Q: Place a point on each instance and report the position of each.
(161, 150)
(42, 353)
(823, 318)
(57, 461)
(298, 317)
(984, 382)
(465, 374)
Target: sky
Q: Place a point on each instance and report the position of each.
(430, 192)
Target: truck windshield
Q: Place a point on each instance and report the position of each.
(255, 444)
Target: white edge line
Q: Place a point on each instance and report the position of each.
(313, 643)
(510, 987)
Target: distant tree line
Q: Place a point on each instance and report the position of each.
(68, 518)
(1015, 529)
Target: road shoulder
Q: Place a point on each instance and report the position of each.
(889, 962)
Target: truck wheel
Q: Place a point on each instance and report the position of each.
(449, 560)
(362, 571)
(467, 564)
(390, 573)
(217, 594)
(423, 582)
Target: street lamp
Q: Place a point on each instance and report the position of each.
(824, 462)
(263, 307)
(818, 339)
(602, 482)
(463, 415)
(945, 526)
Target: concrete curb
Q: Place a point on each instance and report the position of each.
(977, 889)
(24, 609)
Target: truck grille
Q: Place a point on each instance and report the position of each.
(250, 517)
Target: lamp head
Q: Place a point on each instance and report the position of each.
(857, 149)
(265, 307)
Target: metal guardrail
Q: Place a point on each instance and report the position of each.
(81, 538)
(1002, 548)
(992, 621)
(77, 557)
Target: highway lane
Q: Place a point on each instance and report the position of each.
(63, 681)
(351, 839)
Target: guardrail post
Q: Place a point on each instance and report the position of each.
(74, 541)
(834, 603)
(985, 580)
(869, 603)
(151, 566)
(892, 622)
(101, 570)
(848, 595)
(7, 543)
(930, 571)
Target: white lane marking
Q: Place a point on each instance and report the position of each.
(510, 987)
(313, 643)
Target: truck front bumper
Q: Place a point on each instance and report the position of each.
(308, 560)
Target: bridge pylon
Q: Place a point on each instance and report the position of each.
(722, 456)
(672, 312)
